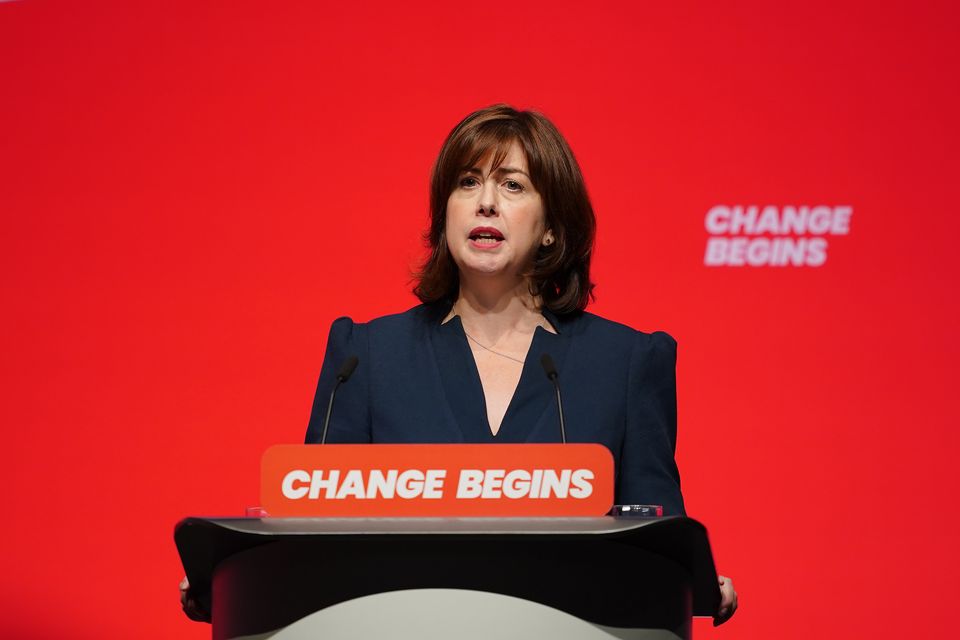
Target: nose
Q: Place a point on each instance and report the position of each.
(488, 200)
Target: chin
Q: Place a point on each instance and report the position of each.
(481, 264)
(483, 270)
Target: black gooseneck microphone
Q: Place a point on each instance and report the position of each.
(551, 370)
(346, 370)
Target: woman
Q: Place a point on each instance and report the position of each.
(507, 280)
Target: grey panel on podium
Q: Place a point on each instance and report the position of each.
(623, 576)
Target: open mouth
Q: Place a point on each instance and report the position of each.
(486, 236)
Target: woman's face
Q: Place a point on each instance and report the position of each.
(495, 218)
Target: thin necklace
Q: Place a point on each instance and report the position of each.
(480, 344)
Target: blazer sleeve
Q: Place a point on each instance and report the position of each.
(350, 420)
(648, 469)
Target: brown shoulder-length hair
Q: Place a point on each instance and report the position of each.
(560, 274)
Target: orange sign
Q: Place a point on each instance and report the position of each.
(429, 480)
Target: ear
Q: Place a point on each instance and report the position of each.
(548, 238)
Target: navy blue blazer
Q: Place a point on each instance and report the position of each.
(417, 381)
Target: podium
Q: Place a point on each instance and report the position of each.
(333, 578)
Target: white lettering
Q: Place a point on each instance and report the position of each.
(384, 485)
(291, 492)
(718, 219)
(841, 220)
(716, 252)
(582, 487)
(758, 252)
(743, 219)
(819, 221)
(535, 483)
(816, 252)
(516, 484)
(318, 482)
(470, 483)
(737, 252)
(769, 221)
(410, 483)
(794, 251)
(352, 486)
(492, 483)
(794, 220)
(433, 486)
(557, 485)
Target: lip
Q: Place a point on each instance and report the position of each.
(496, 233)
(485, 245)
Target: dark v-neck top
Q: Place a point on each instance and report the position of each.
(417, 381)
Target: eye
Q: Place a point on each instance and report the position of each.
(469, 181)
(513, 185)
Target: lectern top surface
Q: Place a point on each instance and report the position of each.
(433, 526)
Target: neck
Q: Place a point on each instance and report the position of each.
(492, 311)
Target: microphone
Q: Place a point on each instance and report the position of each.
(346, 370)
(551, 370)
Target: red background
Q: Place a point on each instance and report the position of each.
(191, 193)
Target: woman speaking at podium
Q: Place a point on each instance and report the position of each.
(506, 284)
(507, 281)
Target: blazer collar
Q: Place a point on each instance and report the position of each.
(557, 322)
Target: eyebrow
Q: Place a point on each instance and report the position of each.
(499, 170)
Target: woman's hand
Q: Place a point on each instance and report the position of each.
(728, 601)
(190, 606)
